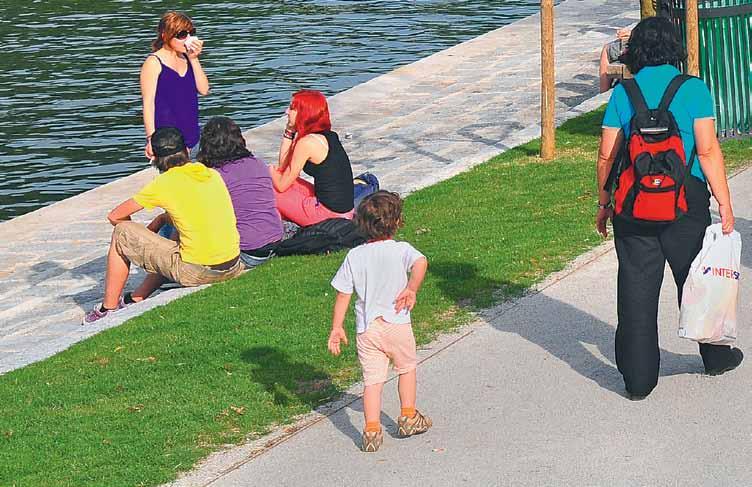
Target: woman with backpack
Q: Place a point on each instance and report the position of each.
(309, 145)
(670, 118)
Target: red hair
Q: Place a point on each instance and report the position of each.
(170, 24)
(312, 117)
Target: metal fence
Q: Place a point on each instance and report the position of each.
(725, 59)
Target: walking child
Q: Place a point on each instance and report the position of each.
(377, 272)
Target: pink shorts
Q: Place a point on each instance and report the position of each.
(299, 205)
(382, 342)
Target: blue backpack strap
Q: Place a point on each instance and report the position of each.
(634, 93)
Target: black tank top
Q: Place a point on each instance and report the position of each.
(333, 178)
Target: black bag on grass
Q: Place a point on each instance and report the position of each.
(324, 237)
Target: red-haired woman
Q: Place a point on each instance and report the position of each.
(309, 145)
(171, 80)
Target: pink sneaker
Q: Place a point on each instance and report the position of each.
(98, 314)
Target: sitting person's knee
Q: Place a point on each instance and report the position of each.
(123, 229)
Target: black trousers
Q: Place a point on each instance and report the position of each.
(642, 253)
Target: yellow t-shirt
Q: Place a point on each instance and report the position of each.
(197, 200)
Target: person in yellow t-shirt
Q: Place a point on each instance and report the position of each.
(197, 204)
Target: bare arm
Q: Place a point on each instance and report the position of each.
(409, 296)
(123, 212)
(284, 148)
(611, 140)
(202, 82)
(158, 222)
(341, 304)
(711, 161)
(283, 179)
(149, 74)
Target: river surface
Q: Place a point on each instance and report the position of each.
(70, 106)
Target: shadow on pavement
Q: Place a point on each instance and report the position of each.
(562, 330)
(341, 420)
(743, 226)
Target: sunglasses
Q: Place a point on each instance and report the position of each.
(185, 33)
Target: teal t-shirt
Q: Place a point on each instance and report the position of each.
(693, 101)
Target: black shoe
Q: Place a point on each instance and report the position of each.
(636, 397)
(719, 359)
(735, 360)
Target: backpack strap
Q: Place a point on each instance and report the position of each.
(617, 166)
(635, 95)
(672, 89)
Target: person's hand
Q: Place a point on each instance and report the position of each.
(157, 223)
(601, 219)
(148, 152)
(196, 47)
(623, 34)
(405, 300)
(335, 337)
(727, 218)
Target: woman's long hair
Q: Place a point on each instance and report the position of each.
(653, 42)
(221, 142)
(170, 24)
(312, 117)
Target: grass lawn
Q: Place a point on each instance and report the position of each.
(137, 404)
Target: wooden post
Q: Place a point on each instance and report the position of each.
(548, 94)
(693, 38)
(647, 9)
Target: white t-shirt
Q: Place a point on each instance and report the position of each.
(377, 272)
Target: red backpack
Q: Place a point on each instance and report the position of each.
(648, 178)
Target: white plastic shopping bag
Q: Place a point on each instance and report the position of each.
(710, 299)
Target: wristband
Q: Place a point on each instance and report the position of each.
(604, 206)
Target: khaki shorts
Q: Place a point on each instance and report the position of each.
(158, 255)
(382, 342)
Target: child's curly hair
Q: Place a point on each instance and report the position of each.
(379, 215)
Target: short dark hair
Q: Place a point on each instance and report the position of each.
(653, 42)
(169, 149)
(173, 160)
(379, 215)
(221, 142)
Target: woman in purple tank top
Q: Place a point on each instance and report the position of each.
(171, 80)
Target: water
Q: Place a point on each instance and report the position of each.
(70, 106)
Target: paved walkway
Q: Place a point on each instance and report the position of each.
(530, 396)
(412, 127)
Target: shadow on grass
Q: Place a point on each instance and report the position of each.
(461, 282)
(588, 124)
(571, 335)
(531, 149)
(288, 381)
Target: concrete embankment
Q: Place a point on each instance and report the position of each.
(412, 127)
